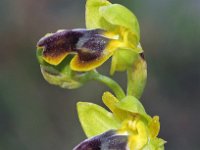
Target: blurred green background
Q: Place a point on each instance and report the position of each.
(36, 115)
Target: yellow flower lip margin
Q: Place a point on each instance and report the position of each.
(91, 47)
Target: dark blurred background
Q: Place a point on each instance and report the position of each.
(36, 115)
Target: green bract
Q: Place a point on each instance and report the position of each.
(137, 76)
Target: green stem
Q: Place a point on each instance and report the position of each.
(113, 85)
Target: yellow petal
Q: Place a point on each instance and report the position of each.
(110, 101)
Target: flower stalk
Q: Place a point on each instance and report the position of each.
(113, 85)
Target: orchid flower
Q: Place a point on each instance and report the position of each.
(127, 118)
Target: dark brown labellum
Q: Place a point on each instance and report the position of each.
(106, 141)
(88, 44)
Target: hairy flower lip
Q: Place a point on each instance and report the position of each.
(88, 45)
(94, 142)
(79, 32)
(105, 141)
(57, 35)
